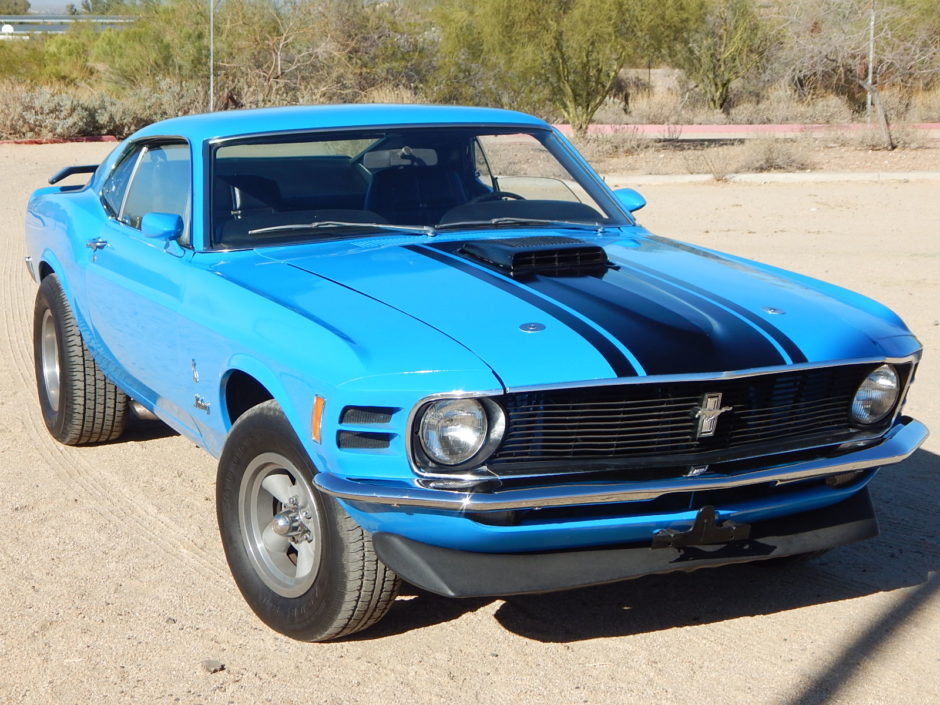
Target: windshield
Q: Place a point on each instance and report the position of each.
(320, 186)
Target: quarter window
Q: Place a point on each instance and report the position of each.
(116, 186)
(151, 179)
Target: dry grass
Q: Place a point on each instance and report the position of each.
(716, 161)
(598, 147)
(773, 154)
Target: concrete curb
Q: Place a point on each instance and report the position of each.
(621, 180)
(62, 140)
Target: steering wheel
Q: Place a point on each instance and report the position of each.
(497, 196)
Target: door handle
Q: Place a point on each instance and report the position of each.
(96, 244)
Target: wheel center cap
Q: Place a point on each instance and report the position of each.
(289, 523)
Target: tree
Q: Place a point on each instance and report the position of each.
(563, 54)
(14, 7)
(830, 42)
(728, 42)
(168, 40)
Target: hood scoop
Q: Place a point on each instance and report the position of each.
(529, 256)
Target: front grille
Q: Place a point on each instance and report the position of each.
(648, 425)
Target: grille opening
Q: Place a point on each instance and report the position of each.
(357, 415)
(649, 426)
(362, 440)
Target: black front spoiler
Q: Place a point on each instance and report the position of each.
(453, 573)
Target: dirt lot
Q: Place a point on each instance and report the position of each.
(115, 590)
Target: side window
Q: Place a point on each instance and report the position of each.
(116, 186)
(161, 183)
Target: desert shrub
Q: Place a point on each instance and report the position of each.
(772, 154)
(143, 105)
(619, 144)
(925, 106)
(715, 161)
(390, 94)
(782, 105)
(41, 113)
(685, 106)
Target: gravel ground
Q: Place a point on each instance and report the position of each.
(115, 587)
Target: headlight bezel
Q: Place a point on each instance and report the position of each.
(890, 409)
(421, 460)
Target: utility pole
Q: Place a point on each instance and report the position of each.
(212, 56)
(871, 57)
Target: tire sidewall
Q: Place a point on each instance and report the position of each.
(51, 297)
(311, 615)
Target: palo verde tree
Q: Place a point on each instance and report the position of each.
(727, 40)
(534, 54)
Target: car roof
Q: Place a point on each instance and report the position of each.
(232, 123)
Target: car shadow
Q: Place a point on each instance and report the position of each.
(146, 429)
(907, 551)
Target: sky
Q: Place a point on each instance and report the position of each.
(49, 6)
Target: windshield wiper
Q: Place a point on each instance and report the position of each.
(413, 229)
(599, 227)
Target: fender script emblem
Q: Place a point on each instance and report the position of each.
(707, 415)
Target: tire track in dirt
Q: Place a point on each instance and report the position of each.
(72, 465)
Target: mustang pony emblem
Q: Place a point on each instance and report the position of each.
(708, 413)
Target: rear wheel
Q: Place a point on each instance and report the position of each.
(79, 404)
(302, 564)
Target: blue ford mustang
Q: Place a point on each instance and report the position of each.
(430, 344)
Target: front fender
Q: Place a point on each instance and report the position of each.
(295, 397)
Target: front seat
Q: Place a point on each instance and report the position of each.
(414, 195)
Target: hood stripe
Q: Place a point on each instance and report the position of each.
(664, 325)
(790, 348)
(669, 330)
(619, 360)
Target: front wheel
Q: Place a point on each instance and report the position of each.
(302, 564)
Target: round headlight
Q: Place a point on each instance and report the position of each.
(876, 396)
(453, 430)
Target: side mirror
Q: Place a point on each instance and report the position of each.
(630, 199)
(161, 226)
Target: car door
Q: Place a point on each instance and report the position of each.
(135, 283)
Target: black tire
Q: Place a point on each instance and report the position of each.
(79, 404)
(321, 582)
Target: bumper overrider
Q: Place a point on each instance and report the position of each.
(708, 542)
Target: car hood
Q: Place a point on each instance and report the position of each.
(660, 308)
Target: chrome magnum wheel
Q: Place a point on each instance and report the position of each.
(302, 564)
(49, 359)
(79, 404)
(281, 525)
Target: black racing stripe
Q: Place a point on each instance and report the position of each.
(784, 341)
(618, 362)
(668, 330)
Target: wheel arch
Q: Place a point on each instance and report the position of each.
(45, 269)
(240, 392)
(248, 382)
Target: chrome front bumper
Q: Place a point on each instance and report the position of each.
(898, 444)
